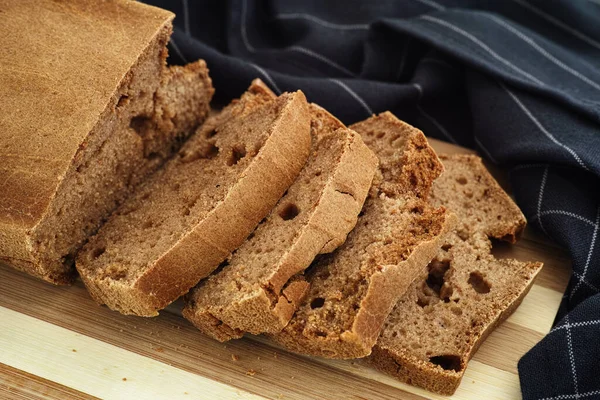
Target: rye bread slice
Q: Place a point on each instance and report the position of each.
(466, 292)
(190, 215)
(73, 93)
(253, 292)
(354, 289)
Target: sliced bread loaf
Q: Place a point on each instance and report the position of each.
(190, 215)
(465, 293)
(354, 289)
(253, 292)
(91, 111)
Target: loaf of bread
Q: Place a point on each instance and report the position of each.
(189, 216)
(253, 292)
(353, 289)
(465, 292)
(90, 110)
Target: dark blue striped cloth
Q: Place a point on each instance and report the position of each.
(519, 80)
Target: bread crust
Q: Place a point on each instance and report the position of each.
(416, 372)
(375, 306)
(484, 211)
(224, 228)
(407, 169)
(269, 308)
(56, 106)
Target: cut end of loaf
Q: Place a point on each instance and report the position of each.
(118, 128)
(188, 217)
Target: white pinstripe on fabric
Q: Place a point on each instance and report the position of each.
(321, 22)
(481, 44)
(586, 283)
(429, 117)
(571, 355)
(186, 17)
(487, 153)
(558, 23)
(540, 199)
(354, 95)
(542, 51)
(403, 60)
(573, 396)
(176, 48)
(589, 256)
(567, 213)
(322, 58)
(541, 127)
(577, 324)
(432, 4)
(268, 77)
(299, 49)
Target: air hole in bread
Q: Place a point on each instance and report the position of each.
(437, 271)
(449, 362)
(478, 282)
(186, 212)
(318, 173)
(98, 252)
(290, 211)
(317, 303)
(446, 247)
(141, 125)
(123, 101)
(417, 210)
(462, 180)
(153, 156)
(147, 224)
(413, 180)
(380, 135)
(237, 153)
(211, 133)
(423, 302)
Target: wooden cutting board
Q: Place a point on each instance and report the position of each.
(56, 343)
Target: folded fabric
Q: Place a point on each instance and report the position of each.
(518, 80)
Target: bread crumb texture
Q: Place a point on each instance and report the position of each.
(464, 292)
(187, 218)
(256, 290)
(353, 289)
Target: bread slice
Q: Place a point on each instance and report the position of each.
(90, 110)
(443, 318)
(354, 289)
(253, 293)
(189, 216)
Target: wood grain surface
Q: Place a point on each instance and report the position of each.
(56, 343)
